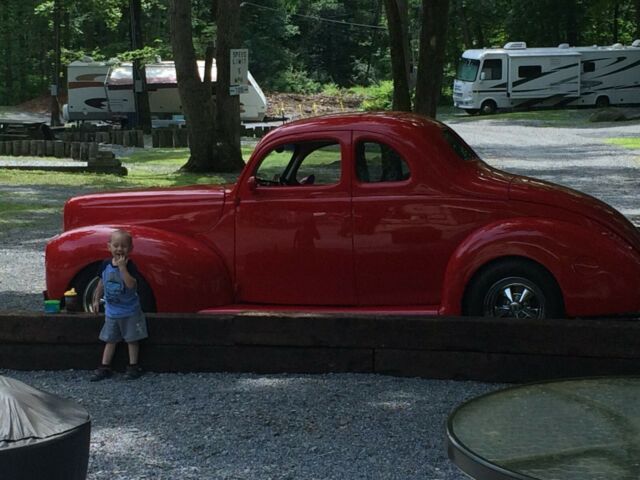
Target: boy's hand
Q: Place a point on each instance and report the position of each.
(121, 261)
(95, 306)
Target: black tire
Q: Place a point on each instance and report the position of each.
(488, 107)
(85, 284)
(513, 288)
(602, 102)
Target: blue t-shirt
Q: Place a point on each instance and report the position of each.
(119, 301)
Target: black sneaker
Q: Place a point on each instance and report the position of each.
(101, 373)
(132, 372)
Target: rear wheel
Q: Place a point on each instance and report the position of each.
(518, 289)
(602, 102)
(86, 282)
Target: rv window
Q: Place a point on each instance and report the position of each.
(467, 69)
(529, 71)
(588, 67)
(492, 69)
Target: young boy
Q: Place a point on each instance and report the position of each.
(124, 319)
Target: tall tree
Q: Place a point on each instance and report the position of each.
(398, 42)
(143, 112)
(227, 106)
(56, 67)
(197, 102)
(433, 39)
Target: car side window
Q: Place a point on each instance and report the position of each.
(304, 163)
(377, 162)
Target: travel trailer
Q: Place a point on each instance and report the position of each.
(517, 76)
(104, 91)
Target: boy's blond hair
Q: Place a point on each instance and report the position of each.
(122, 233)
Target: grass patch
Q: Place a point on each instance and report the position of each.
(22, 214)
(626, 142)
(147, 168)
(544, 118)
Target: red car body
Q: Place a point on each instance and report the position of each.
(416, 243)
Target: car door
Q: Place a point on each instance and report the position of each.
(396, 243)
(294, 242)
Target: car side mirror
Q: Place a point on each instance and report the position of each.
(253, 183)
(483, 75)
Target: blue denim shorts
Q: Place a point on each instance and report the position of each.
(129, 329)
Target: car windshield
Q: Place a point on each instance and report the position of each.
(467, 69)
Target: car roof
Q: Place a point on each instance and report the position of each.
(380, 122)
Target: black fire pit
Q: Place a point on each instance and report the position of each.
(42, 436)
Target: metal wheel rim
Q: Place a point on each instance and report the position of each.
(87, 295)
(515, 297)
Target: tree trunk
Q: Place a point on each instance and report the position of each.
(143, 112)
(433, 38)
(55, 75)
(227, 106)
(399, 67)
(197, 102)
(637, 4)
(614, 21)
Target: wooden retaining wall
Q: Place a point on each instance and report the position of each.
(489, 350)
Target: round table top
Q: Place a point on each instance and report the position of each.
(582, 429)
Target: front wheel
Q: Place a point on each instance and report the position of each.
(489, 107)
(514, 289)
(86, 282)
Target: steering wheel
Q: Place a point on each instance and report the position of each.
(308, 180)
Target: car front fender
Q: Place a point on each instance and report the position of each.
(596, 271)
(185, 274)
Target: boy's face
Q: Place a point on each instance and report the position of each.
(120, 245)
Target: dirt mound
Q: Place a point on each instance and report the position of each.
(293, 105)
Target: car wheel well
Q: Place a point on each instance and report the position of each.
(518, 264)
(84, 277)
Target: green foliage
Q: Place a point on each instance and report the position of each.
(295, 81)
(626, 142)
(378, 97)
(295, 45)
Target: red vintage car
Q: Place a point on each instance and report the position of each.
(383, 212)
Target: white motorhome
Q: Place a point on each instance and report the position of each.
(104, 91)
(517, 76)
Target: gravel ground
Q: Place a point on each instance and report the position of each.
(224, 426)
(228, 426)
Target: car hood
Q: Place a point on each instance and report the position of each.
(545, 193)
(189, 210)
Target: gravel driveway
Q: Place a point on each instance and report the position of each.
(342, 426)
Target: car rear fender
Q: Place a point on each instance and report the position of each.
(184, 273)
(596, 271)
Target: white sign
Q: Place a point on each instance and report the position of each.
(239, 70)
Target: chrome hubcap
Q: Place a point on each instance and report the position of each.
(514, 297)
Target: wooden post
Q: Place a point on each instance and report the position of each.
(75, 150)
(140, 139)
(58, 149)
(48, 148)
(93, 151)
(26, 147)
(84, 151)
(155, 138)
(40, 148)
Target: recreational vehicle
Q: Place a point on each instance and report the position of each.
(517, 76)
(104, 91)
